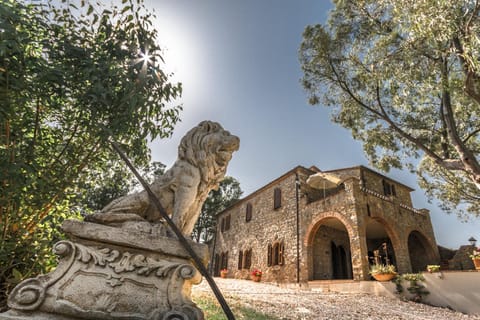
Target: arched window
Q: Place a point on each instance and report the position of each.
(277, 198)
(248, 213)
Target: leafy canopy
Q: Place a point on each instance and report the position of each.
(70, 77)
(404, 77)
(218, 200)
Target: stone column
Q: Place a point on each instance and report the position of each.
(359, 250)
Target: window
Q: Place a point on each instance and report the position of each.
(277, 198)
(248, 213)
(225, 224)
(275, 254)
(388, 189)
(245, 259)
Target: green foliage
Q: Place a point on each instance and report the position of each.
(213, 311)
(416, 289)
(115, 183)
(382, 269)
(218, 200)
(70, 78)
(404, 77)
(433, 268)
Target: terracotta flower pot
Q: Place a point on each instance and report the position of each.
(476, 262)
(223, 274)
(384, 276)
(256, 278)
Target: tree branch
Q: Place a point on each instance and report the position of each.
(472, 134)
(475, 11)
(406, 135)
(466, 157)
(470, 75)
(36, 129)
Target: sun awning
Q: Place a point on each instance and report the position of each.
(323, 180)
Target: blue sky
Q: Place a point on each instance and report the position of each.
(238, 62)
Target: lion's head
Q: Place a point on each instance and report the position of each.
(209, 147)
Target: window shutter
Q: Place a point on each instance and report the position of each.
(248, 214)
(227, 223)
(222, 227)
(276, 253)
(277, 198)
(216, 265)
(281, 260)
(393, 190)
(240, 260)
(269, 255)
(222, 261)
(248, 259)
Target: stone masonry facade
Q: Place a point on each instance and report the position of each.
(295, 233)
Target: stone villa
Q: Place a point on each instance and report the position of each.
(310, 224)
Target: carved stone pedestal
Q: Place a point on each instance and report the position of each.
(111, 273)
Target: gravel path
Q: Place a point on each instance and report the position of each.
(303, 304)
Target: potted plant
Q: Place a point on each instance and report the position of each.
(223, 273)
(256, 275)
(433, 268)
(476, 258)
(383, 272)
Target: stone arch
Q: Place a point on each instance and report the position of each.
(378, 232)
(420, 251)
(328, 242)
(317, 222)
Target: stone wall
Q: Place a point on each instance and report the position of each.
(461, 260)
(267, 226)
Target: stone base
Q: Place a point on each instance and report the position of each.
(111, 273)
(18, 315)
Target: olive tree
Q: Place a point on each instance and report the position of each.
(70, 78)
(404, 77)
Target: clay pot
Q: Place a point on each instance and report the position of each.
(384, 276)
(256, 278)
(476, 262)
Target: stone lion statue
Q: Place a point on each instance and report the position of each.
(203, 156)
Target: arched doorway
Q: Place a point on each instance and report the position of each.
(331, 251)
(379, 243)
(419, 251)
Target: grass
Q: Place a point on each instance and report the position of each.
(213, 311)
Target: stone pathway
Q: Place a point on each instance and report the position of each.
(305, 305)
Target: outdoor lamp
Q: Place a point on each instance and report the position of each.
(472, 241)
